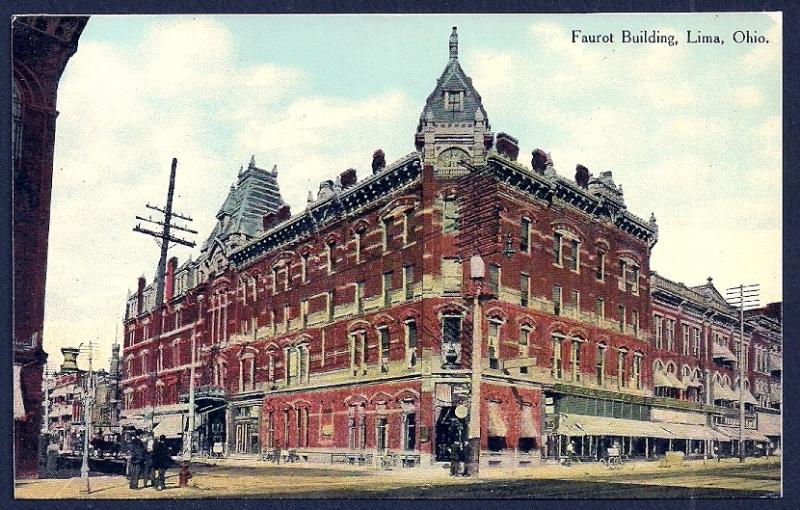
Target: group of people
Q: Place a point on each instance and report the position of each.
(148, 461)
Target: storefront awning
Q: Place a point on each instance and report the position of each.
(579, 425)
(723, 353)
(527, 423)
(19, 403)
(170, 425)
(497, 426)
(686, 431)
(749, 434)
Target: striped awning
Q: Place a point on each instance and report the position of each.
(19, 402)
(579, 425)
(723, 353)
(170, 425)
(749, 434)
(527, 423)
(723, 392)
(497, 425)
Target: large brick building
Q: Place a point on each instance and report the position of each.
(346, 330)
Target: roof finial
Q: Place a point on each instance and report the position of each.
(252, 161)
(454, 43)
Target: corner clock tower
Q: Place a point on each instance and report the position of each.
(453, 129)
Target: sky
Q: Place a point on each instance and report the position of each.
(691, 131)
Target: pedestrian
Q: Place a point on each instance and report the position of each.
(147, 470)
(52, 458)
(455, 457)
(137, 454)
(162, 460)
(462, 461)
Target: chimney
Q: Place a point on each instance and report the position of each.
(507, 146)
(140, 296)
(540, 161)
(70, 364)
(582, 176)
(268, 220)
(348, 178)
(169, 283)
(284, 213)
(378, 161)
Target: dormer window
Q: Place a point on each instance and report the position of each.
(454, 100)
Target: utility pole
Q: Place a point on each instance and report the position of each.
(741, 296)
(163, 238)
(87, 421)
(188, 435)
(477, 273)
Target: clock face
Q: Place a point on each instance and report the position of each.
(452, 157)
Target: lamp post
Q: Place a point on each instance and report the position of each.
(477, 270)
(87, 426)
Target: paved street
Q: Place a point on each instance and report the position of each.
(243, 478)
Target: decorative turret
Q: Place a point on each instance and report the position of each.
(453, 126)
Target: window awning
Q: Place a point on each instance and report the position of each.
(676, 383)
(19, 402)
(527, 423)
(723, 353)
(579, 425)
(660, 379)
(747, 396)
(497, 426)
(692, 383)
(170, 425)
(723, 392)
(749, 434)
(686, 431)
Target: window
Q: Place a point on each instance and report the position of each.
(637, 370)
(386, 225)
(524, 235)
(358, 345)
(622, 376)
(304, 267)
(494, 279)
(494, 343)
(659, 331)
(524, 338)
(450, 216)
(670, 334)
(600, 272)
(275, 280)
(524, 289)
(557, 248)
(359, 237)
(407, 226)
(304, 313)
(575, 359)
(383, 334)
(451, 275)
(600, 308)
(622, 318)
(629, 276)
(575, 258)
(454, 100)
(292, 356)
(557, 303)
(359, 297)
(331, 256)
(685, 339)
(274, 316)
(635, 322)
(285, 428)
(387, 288)
(410, 431)
(286, 312)
(555, 370)
(331, 305)
(575, 298)
(451, 335)
(411, 343)
(408, 282)
(600, 365)
(622, 274)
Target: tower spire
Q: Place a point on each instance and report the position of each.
(454, 44)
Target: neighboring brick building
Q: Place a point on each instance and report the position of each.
(41, 47)
(345, 331)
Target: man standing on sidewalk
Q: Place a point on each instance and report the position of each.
(137, 460)
(161, 462)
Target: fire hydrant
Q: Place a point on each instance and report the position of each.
(184, 475)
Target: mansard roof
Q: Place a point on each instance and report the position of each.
(453, 79)
(255, 194)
